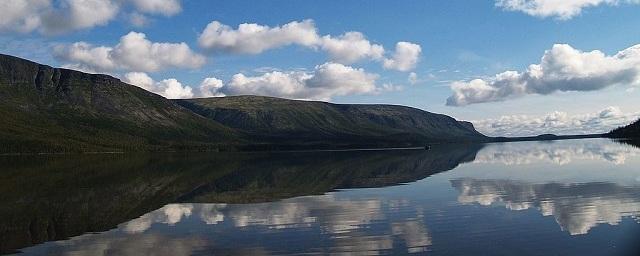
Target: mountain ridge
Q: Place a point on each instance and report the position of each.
(296, 121)
(53, 110)
(46, 109)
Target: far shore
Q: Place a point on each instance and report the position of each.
(266, 148)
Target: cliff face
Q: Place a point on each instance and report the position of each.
(51, 109)
(273, 119)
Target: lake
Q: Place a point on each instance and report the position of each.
(574, 197)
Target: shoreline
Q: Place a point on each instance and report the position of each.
(328, 148)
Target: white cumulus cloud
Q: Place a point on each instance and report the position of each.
(326, 81)
(56, 17)
(559, 123)
(560, 9)
(134, 52)
(210, 87)
(164, 7)
(251, 38)
(169, 88)
(405, 57)
(78, 14)
(348, 48)
(351, 47)
(22, 15)
(562, 68)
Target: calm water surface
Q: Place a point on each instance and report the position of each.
(579, 197)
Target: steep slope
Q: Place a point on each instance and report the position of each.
(274, 120)
(45, 109)
(629, 131)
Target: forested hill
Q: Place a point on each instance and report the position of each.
(45, 109)
(629, 131)
(276, 120)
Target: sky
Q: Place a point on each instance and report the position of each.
(512, 67)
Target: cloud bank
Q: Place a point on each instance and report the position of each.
(134, 52)
(557, 123)
(348, 48)
(56, 17)
(326, 81)
(323, 83)
(562, 68)
(559, 9)
(255, 38)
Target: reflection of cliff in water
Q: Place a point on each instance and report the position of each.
(576, 207)
(45, 198)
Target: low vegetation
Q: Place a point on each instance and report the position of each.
(52, 110)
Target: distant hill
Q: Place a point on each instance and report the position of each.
(274, 120)
(547, 137)
(45, 109)
(629, 131)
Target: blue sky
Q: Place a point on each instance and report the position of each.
(458, 40)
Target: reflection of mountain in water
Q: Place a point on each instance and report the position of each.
(268, 177)
(53, 198)
(576, 207)
(555, 152)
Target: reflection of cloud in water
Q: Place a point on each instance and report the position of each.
(169, 214)
(135, 244)
(336, 216)
(346, 222)
(576, 207)
(555, 152)
(210, 213)
(414, 234)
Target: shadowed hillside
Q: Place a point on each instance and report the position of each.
(274, 120)
(45, 109)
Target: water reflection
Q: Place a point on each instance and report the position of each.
(560, 153)
(576, 207)
(313, 203)
(325, 224)
(47, 198)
